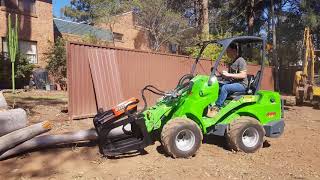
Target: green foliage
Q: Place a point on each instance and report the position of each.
(163, 24)
(92, 39)
(56, 59)
(94, 11)
(311, 13)
(212, 51)
(23, 71)
(23, 68)
(80, 11)
(252, 53)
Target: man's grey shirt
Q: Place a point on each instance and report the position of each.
(236, 67)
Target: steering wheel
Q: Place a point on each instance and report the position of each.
(219, 75)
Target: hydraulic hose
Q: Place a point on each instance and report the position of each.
(154, 90)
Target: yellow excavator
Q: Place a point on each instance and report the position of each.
(306, 85)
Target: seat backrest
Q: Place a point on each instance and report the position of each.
(254, 85)
(250, 78)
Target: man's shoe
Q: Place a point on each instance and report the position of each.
(213, 111)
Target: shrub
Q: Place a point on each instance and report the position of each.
(56, 59)
(23, 71)
(212, 51)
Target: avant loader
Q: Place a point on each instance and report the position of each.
(178, 119)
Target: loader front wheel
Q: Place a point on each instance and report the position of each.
(181, 138)
(245, 134)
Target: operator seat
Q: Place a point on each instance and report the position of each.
(253, 82)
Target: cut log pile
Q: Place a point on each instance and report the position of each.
(16, 137)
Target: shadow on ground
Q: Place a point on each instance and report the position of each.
(29, 103)
(45, 162)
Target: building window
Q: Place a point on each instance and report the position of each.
(26, 6)
(11, 4)
(117, 36)
(28, 48)
(4, 49)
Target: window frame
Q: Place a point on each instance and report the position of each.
(6, 57)
(117, 35)
(20, 7)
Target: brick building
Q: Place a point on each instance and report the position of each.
(129, 34)
(126, 32)
(35, 27)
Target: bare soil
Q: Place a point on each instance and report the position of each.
(295, 155)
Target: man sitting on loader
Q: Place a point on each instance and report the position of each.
(234, 81)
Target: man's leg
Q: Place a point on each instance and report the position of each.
(227, 89)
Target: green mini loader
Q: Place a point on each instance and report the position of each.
(178, 119)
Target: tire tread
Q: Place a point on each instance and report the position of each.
(168, 130)
(235, 128)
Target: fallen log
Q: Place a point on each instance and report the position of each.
(66, 138)
(11, 120)
(14, 138)
(3, 102)
(49, 140)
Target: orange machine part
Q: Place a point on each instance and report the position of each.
(120, 108)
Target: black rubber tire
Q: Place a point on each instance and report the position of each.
(236, 130)
(171, 130)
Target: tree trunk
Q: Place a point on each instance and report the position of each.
(11, 120)
(250, 17)
(67, 138)
(3, 102)
(274, 48)
(12, 139)
(205, 19)
(50, 140)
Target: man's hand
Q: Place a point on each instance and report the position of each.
(225, 73)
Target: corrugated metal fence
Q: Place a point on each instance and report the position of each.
(101, 77)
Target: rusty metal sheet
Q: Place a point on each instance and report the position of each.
(106, 77)
(81, 102)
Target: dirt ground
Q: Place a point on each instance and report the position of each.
(295, 155)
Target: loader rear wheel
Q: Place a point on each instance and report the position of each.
(245, 134)
(181, 138)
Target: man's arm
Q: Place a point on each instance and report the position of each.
(242, 68)
(241, 75)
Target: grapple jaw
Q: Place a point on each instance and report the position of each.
(121, 118)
